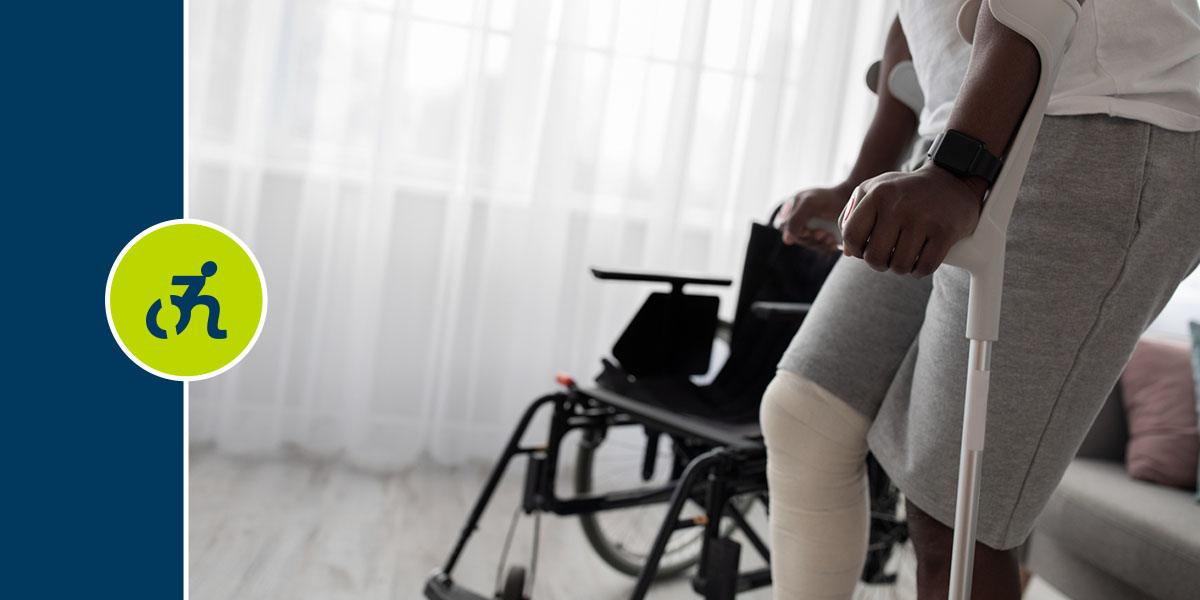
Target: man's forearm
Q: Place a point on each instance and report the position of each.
(890, 135)
(998, 86)
(909, 222)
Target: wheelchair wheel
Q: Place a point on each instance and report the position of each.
(623, 537)
(514, 585)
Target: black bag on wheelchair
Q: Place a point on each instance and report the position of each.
(671, 337)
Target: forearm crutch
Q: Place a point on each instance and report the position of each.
(1049, 26)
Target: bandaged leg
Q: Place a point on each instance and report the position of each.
(816, 453)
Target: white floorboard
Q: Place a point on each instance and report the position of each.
(304, 529)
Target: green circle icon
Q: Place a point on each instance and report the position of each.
(186, 299)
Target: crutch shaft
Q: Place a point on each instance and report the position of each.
(962, 560)
(966, 512)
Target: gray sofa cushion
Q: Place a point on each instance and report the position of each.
(1144, 534)
(1073, 576)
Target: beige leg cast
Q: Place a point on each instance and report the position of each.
(816, 453)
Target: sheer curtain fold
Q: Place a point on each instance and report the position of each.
(426, 182)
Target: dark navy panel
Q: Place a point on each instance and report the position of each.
(91, 151)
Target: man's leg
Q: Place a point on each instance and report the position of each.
(815, 416)
(996, 575)
(816, 470)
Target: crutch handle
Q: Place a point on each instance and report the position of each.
(827, 226)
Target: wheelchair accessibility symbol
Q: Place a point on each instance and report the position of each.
(185, 303)
(186, 300)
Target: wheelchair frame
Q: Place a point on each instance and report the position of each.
(717, 460)
(721, 464)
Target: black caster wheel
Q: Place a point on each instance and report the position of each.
(514, 585)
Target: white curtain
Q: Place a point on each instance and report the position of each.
(426, 183)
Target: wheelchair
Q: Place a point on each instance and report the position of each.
(698, 442)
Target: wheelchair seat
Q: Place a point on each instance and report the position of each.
(677, 406)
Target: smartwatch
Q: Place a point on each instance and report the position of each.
(964, 156)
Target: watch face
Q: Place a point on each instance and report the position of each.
(957, 152)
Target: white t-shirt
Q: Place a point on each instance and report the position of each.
(1137, 59)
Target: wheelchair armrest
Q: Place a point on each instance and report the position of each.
(677, 281)
(780, 310)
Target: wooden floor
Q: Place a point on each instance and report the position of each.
(305, 529)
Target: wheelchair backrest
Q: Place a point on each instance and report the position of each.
(671, 335)
(772, 272)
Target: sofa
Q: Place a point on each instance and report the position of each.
(1104, 535)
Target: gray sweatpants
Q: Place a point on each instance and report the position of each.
(1106, 225)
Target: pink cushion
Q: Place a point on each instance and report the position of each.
(1160, 403)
